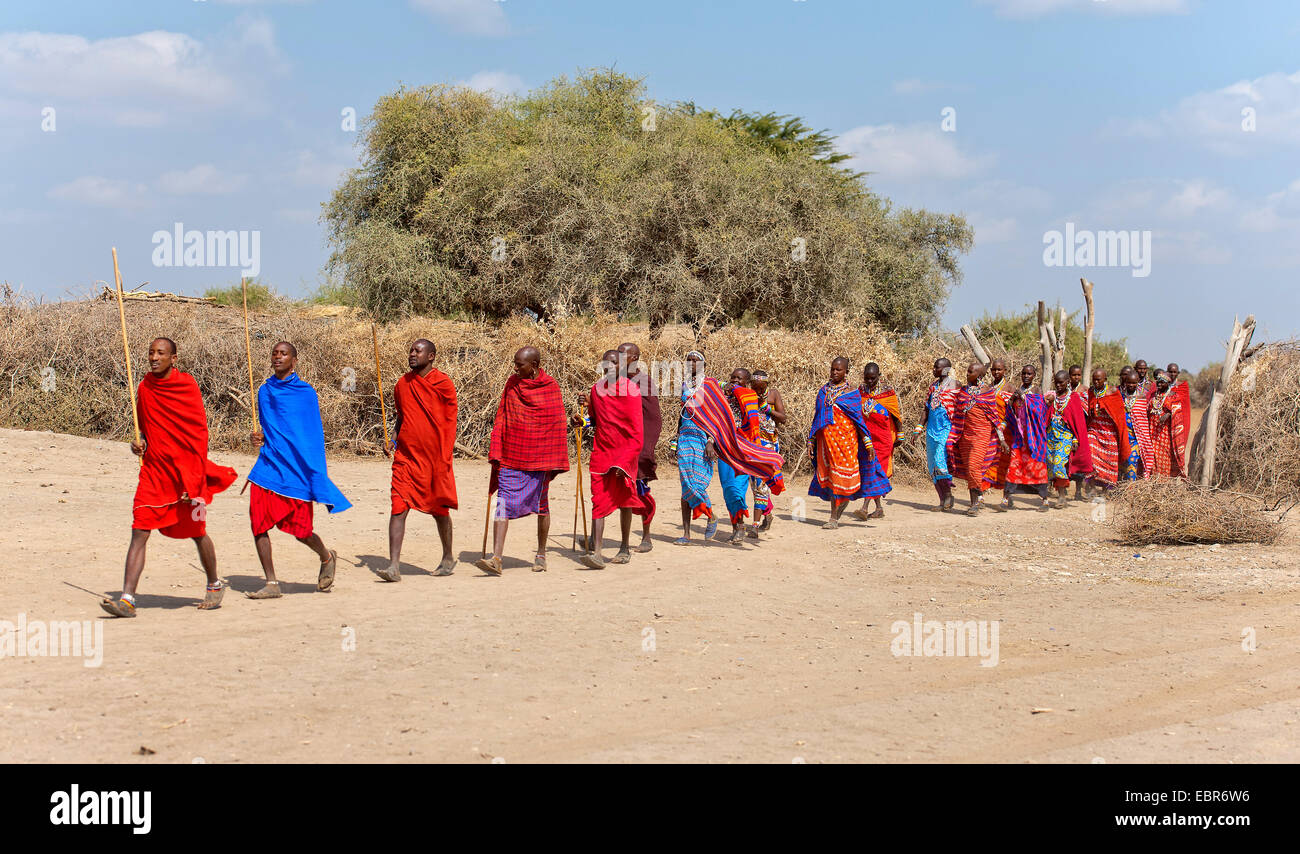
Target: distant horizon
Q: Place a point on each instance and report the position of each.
(1054, 126)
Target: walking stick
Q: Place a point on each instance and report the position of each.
(582, 496)
(126, 350)
(383, 411)
(248, 354)
(487, 518)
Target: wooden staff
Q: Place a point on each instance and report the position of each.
(487, 518)
(581, 498)
(383, 410)
(248, 354)
(126, 350)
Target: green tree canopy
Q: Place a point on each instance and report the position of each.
(582, 196)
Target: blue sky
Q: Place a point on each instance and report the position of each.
(1113, 115)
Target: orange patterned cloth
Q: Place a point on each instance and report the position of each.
(837, 455)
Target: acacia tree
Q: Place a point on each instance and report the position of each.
(583, 195)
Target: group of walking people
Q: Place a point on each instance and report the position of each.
(1000, 435)
(991, 432)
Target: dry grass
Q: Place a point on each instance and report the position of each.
(1259, 438)
(1167, 511)
(82, 342)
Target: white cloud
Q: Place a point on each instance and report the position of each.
(100, 192)
(1193, 197)
(145, 79)
(1223, 118)
(992, 229)
(203, 179)
(475, 17)
(1280, 211)
(910, 151)
(314, 169)
(916, 86)
(502, 82)
(1039, 8)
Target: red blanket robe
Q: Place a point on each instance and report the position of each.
(1106, 416)
(618, 427)
(973, 442)
(884, 428)
(1076, 418)
(422, 469)
(530, 432)
(175, 428)
(1170, 439)
(652, 420)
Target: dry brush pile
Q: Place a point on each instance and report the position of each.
(1259, 425)
(1165, 511)
(82, 343)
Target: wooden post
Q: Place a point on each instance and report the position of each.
(975, 346)
(1058, 363)
(1044, 347)
(1088, 321)
(1207, 437)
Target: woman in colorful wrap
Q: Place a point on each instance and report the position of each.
(844, 461)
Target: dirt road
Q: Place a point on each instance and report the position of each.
(777, 652)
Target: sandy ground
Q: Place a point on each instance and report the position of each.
(775, 652)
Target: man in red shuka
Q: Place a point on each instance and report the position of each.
(423, 442)
(177, 480)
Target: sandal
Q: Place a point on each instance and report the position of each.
(491, 566)
(445, 567)
(270, 591)
(681, 541)
(622, 557)
(326, 579)
(212, 595)
(539, 563)
(389, 573)
(861, 514)
(593, 561)
(118, 607)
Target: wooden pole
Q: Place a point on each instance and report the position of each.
(248, 353)
(1088, 321)
(126, 350)
(487, 520)
(383, 411)
(581, 497)
(1208, 435)
(1059, 364)
(975, 346)
(1044, 347)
